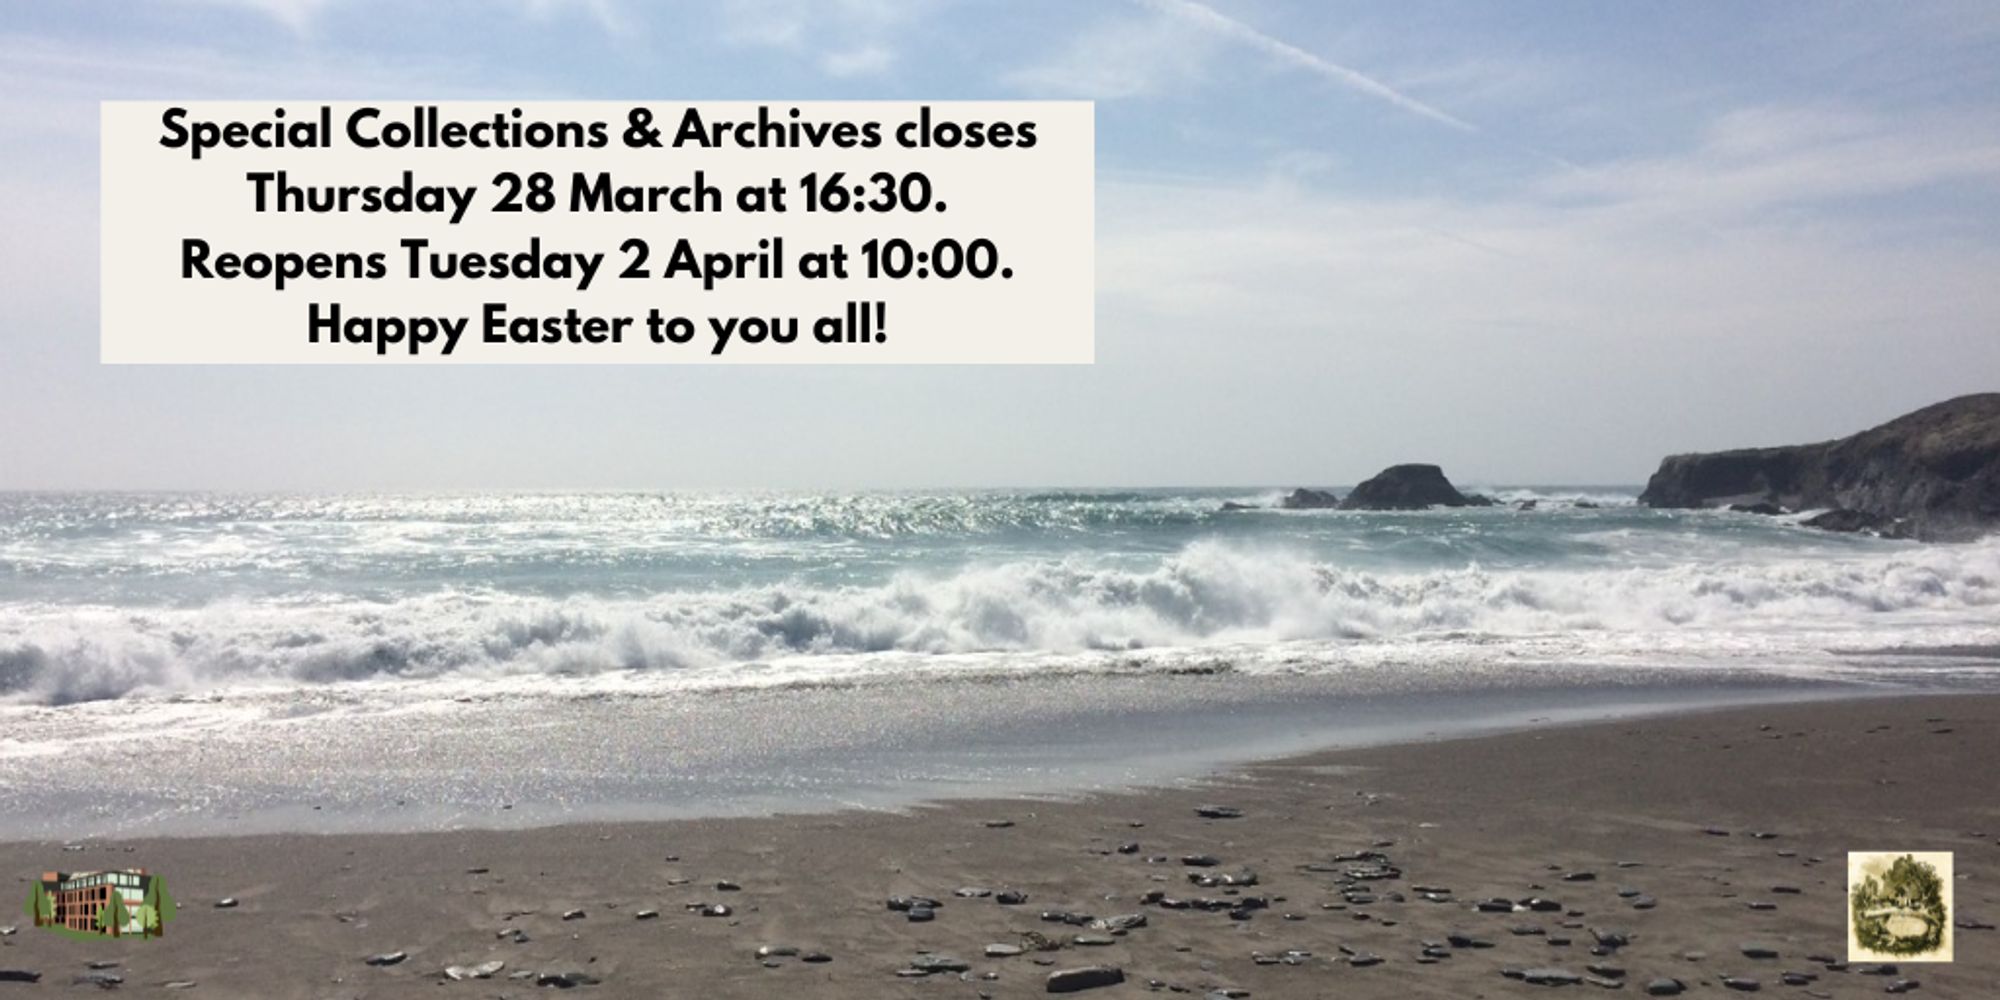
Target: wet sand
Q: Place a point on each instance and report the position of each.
(1700, 815)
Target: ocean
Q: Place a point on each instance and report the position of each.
(146, 638)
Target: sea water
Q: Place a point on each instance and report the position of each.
(649, 642)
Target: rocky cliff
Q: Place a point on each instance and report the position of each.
(1933, 474)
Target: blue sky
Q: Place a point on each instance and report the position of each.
(1535, 242)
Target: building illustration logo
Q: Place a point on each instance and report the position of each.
(129, 902)
(1899, 906)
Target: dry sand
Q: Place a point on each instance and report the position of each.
(1509, 816)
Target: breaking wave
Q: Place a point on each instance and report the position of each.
(1200, 599)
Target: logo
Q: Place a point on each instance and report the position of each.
(1899, 906)
(130, 902)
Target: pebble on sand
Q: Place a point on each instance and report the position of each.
(1084, 978)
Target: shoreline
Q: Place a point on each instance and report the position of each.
(527, 763)
(1512, 815)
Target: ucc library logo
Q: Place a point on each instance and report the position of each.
(1899, 906)
(130, 902)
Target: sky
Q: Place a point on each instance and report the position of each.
(1533, 242)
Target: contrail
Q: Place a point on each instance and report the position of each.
(1214, 20)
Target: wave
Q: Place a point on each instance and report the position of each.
(1206, 596)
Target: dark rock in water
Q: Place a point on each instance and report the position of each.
(1085, 978)
(1218, 812)
(1406, 487)
(1305, 499)
(1854, 522)
(1936, 471)
(1228, 505)
(1480, 500)
(1526, 505)
(386, 958)
(1765, 508)
(1664, 987)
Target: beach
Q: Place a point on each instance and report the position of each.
(1662, 848)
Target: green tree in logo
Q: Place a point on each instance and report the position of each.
(159, 907)
(41, 905)
(1901, 913)
(114, 916)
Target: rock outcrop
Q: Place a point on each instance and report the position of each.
(1933, 474)
(1305, 499)
(1407, 487)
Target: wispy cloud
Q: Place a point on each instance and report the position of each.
(842, 38)
(1215, 21)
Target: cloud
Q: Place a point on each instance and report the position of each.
(300, 15)
(1121, 57)
(842, 38)
(1210, 19)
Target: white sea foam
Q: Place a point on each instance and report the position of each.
(1245, 606)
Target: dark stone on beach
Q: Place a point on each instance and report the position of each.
(1972, 924)
(1580, 877)
(386, 958)
(100, 979)
(567, 979)
(816, 958)
(1120, 923)
(1611, 939)
(1901, 986)
(1084, 978)
(1002, 950)
(1644, 902)
(480, 870)
(903, 904)
(1201, 860)
(1305, 499)
(1010, 897)
(1405, 487)
(1664, 987)
(1130, 847)
(716, 910)
(1494, 906)
(1742, 984)
(1093, 940)
(1786, 890)
(1759, 951)
(646, 915)
(921, 914)
(972, 892)
(1934, 473)
(1607, 971)
(1364, 960)
(19, 976)
(1716, 831)
(226, 903)
(1551, 977)
(999, 824)
(1466, 941)
(1218, 812)
(933, 963)
(574, 915)
(1881, 969)
(727, 886)
(777, 951)
(1540, 905)
(1796, 978)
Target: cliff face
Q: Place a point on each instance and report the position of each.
(1935, 473)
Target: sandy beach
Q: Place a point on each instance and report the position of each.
(1674, 848)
